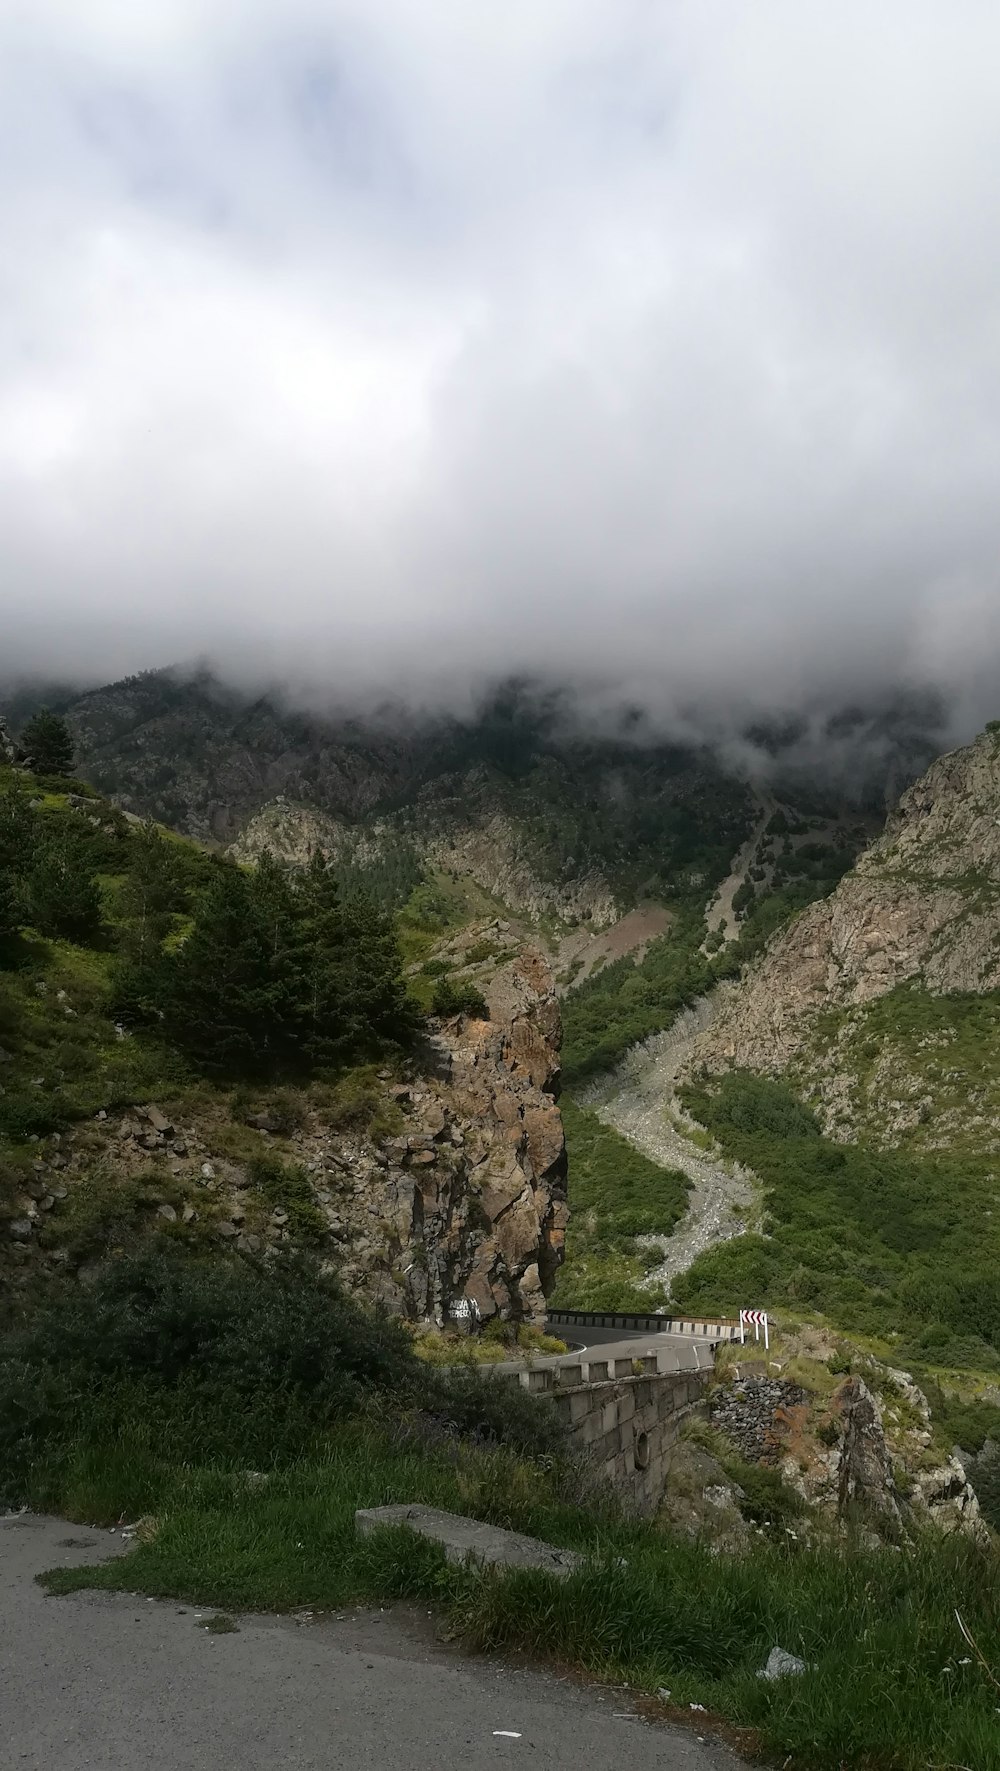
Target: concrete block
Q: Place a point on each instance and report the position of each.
(569, 1374)
(468, 1540)
(580, 1405)
(609, 1416)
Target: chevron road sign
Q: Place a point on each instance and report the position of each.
(757, 1320)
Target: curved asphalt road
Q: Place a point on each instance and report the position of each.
(106, 1682)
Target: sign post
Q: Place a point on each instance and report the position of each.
(759, 1320)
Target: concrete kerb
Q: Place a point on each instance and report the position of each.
(468, 1540)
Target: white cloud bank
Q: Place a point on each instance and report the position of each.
(373, 342)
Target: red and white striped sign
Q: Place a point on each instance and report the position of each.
(757, 1320)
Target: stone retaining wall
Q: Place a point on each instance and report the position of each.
(628, 1425)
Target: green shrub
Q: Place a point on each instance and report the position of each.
(222, 1359)
(456, 997)
(288, 1185)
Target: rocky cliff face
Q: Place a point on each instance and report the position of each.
(444, 1195)
(921, 908)
(864, 1454)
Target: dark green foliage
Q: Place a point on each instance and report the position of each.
(457, 996)
(967, 1422)
(617, 1194)
(228, 995)
(244, 1363)
(287, 1185)
(17, 846)
(376, 1006)
(62, 892)
(152, 893)
(10, 910)
(386, 878)
(626, 1002)
(18, 830)
(48, 743)
(881, 1241)
(748, 1103)
(278, 975)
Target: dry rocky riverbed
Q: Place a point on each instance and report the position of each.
(639, 1101)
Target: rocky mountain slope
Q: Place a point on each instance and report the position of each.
(881, 1000)
(437, 1190)
(517, 798)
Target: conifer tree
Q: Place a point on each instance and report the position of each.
(230, 991)
(48, 743)
(377, 1003)
(63, 894)
(150, 895)
(325, 1011)
(17, 847)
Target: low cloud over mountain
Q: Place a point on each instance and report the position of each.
(371, 346)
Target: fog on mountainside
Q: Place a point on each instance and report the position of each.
(650, 350)
(859, 755)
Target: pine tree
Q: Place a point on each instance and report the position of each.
(231, 991)
(150, 895)
(18, 832)
(48, 743)
(63, 894)
(18, 829)
(10, 909)
(376, 1002)
(324, 1009)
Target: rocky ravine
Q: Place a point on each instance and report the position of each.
(453, 1194)
(639, 1101)
(923, 903)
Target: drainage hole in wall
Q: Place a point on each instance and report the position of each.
(641, 1452)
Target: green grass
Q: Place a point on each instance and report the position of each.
(617, 1194)
(937, 1051)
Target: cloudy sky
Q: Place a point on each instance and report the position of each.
(408, 342)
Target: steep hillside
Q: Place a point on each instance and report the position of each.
(881, 1001)
(551, 821)
(426, 1160)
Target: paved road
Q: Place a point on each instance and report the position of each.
(105, 1682)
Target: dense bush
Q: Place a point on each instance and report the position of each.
(240, 1362)
(457, 996)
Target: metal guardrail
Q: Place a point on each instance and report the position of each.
(702, 1328)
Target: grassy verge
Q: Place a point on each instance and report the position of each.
(243, 1415)
(890, 1684)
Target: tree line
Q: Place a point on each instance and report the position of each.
(248, 972)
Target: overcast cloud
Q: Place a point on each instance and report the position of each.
(407, 343)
